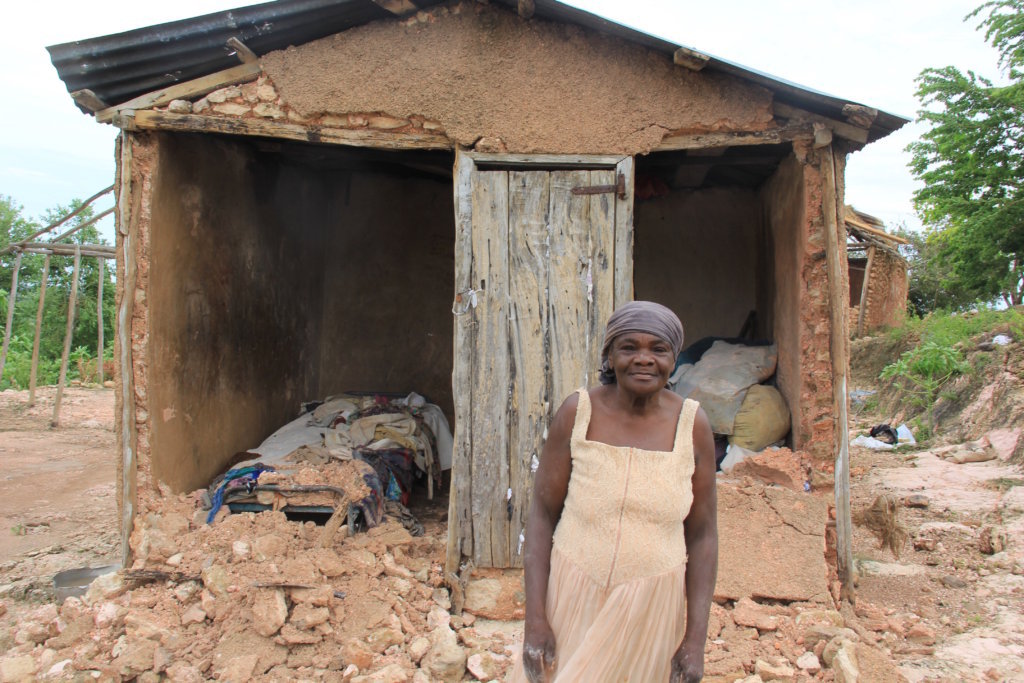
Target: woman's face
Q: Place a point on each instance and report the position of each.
(641, 361)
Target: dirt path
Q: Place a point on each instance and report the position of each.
(57, 495)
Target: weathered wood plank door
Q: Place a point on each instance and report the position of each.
(538, 271)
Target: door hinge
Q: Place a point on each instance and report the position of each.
(619, 188)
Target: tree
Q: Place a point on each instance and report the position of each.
(972, 165)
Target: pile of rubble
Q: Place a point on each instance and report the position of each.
(255, 596)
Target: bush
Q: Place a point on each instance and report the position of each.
(922, 371)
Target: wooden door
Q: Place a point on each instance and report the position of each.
(538, 271)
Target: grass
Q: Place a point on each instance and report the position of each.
(1004, 484)
(949, 329)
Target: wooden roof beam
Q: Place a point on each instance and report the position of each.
(843, 130)
(186, 90)
(88, 99)
(242, 51)
(772, 136)
(691, 59)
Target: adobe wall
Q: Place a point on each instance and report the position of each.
(887, 292)
(388, 287)
(482, 73)
(792, 199)
(698, 253)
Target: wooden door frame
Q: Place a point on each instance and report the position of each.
(466, 164)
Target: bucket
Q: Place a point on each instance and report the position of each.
(74, 582)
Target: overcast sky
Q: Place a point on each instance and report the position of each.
(868, 51)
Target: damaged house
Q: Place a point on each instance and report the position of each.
(449, 197)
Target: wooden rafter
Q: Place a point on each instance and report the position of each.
(844, 130)
(772, 136)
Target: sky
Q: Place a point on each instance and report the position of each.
(868, 51)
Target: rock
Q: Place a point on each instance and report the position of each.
(269, 611)
(1006, 442)
(193, 615)
(417, 648)
(386, 122)
(749, 613)
(921, 634)
(224, 94)
(446, 659)
(240, 668)
(293, 636)
(266, 92)
(782, 467)
(180, 107)
(991, 540)
(392, 673)
(268, 111)
(950, 581)
(779, 671)
(216, 580)
(916, 500)
(356, 652)
(144, 624)
(844, 664)
(136, 658)
(486, 666)
(306, 616)
(926, 544)
(180, 672)
(57, 669)
(17, 668)
(241, 550)
(383, 638)
(175, 559)
(832, 647)
(104, 587)
(231, 109)
(391, 568)
(109, 614)
(808, 662)
(482, 595)
(438, 618)
(328, 563)
(787, 528)
(198, 107)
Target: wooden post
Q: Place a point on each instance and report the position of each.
(839, 339)
(864, 289)
(99, 319)
(55, 422)
(39, 332)
(10, 312)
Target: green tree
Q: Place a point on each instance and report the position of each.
(972, 165)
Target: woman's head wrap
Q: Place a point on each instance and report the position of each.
(640, 316)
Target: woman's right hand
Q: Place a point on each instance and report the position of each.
(538, 651)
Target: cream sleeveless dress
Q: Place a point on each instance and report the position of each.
(616, 593)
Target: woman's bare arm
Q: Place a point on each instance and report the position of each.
(550, 486)
(701, 528)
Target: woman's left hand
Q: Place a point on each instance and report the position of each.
(687, 664)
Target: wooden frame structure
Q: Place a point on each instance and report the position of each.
(49, 249)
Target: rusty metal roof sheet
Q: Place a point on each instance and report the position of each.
(122, 66)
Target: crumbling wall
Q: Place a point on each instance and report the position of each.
(793, 208)
(697, 253)
(485, 74)
(887, 292)
(232, 281)
(388, 287)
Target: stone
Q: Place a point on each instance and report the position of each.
(950, 581)
(356, 652)
(198, 107)
(216, 580)
(392, 673)
(57, 669)
(780, 466)
(749, 613)
(844, 664)
(383, 638)
(779, 671)
(832, 647)
(231, 109)
(328, 563)
(293, 636)
(109, 614)
(482, 595)
(417, 648)
(104, 587)
(268, 111)
(1006, 442)
(486, 666)
(180, 672)
(446, 659)
(808, 662)
(391, 568)
(136, 658)
(924, 544)
(17, 668)
(438, 618)
(386, 122)
(921, 634)
(917, 500)
(180, 107)
(306, 616)
(224, 94)
(266, 92)
(787, 528)
(991, 540)
(241, 550)
(193, 615)
(441, 597)
(143, 624)
(240, 668)
(269, 611)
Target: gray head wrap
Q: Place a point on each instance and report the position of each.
(640, 316)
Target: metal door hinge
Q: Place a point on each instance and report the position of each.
(619, 188)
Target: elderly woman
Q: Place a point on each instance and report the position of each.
(622, 540)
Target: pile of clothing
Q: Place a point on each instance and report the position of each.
(365, 450)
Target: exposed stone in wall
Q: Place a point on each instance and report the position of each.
(886, 299)
(480, 71)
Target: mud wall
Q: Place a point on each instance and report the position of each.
(697, 252)
(234, 295)
(482, 73)
(783, 202)
(887, 292)
(388, 287)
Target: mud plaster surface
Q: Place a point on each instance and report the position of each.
(538, 86)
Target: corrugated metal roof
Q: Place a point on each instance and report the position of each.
(122, 66)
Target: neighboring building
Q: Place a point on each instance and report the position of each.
(878, 274)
